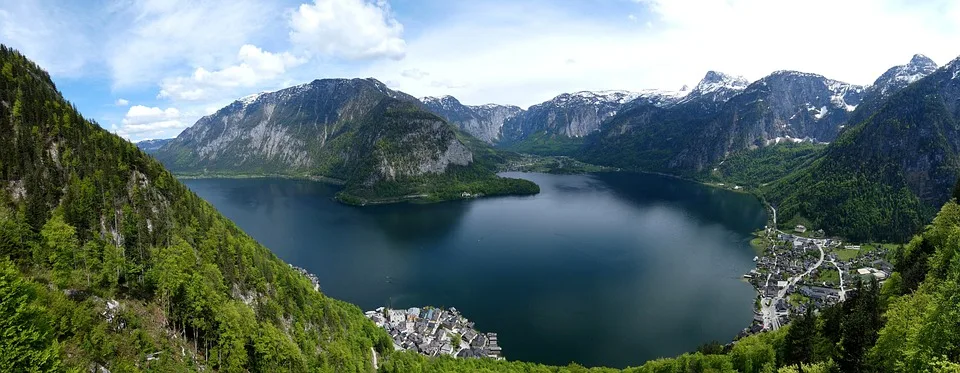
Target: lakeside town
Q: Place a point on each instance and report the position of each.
(804, 268)
(435, 331)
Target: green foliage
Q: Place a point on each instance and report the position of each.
(849, 203)
(921, 333)
(799, 341)
(760, 166)
(27, 341)
(106, 260)
(544, 143)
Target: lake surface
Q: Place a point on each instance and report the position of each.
(608, 269)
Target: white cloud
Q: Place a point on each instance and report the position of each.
(518, 59)
(254, 67)
(149, 39)
(52, 36)
(353, 29)
(121, 102)
(142, 122)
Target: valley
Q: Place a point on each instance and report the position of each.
(596, 231)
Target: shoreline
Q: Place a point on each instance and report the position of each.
(320, 179)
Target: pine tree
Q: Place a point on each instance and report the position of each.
(800, 339)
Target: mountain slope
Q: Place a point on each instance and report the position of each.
(380, 142)
(890, 82)
(483, 122)
(558, 126)
(700, 131)
(152, 146)
(883, 178)
(107, 261)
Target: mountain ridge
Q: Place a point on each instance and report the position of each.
(356, 130)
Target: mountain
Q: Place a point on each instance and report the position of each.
(716, 87)
(152, 146)
(108, 263)
(558, 126)
(483, 122)
(702, 129)
(884, 177)
(892, 81)
(379, 142)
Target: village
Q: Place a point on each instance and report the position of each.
(804, 269)
(435, 331)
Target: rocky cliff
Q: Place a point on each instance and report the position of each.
(483, 121)
(356, 130)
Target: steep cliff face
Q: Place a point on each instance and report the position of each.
(890, 170)
(382, 143)
(294, 130)
(891, 82)
(575, 115)
(483, 121)
(397, 140)
(720, 117)
(716, 88)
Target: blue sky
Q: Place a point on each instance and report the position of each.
(149, 68)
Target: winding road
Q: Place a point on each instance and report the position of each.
(768, 306)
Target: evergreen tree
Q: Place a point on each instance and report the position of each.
(800, 339)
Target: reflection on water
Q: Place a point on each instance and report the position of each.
(608, 269)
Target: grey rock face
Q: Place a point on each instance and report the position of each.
(570, 114)
(892, 81)
(717, 87)
(483, 121)
(899, 77)
(326, 127)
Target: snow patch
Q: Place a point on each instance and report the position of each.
(247, 100)
(786, 139)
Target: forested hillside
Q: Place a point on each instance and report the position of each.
(883, 178)
(106, 260)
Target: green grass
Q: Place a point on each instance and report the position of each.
(828, 273)
(844, 254)
(797, 299)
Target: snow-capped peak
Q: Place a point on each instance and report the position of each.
(249, 99)
(898, 77)
(717, 87)
(715, 80)
(922, 61)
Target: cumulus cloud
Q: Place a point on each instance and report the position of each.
(142, 122)
(254, 66)
(353, 29)
(149, 39)
(121, 102)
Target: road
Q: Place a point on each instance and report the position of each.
(843, 293)
(768, 306)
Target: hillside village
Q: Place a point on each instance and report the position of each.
(805, 269)
(435, 331)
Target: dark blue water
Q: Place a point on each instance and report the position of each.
(609, 269)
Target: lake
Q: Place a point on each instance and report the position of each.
(608, 269)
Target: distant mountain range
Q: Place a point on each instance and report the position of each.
(152, 146)
(360, 131)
